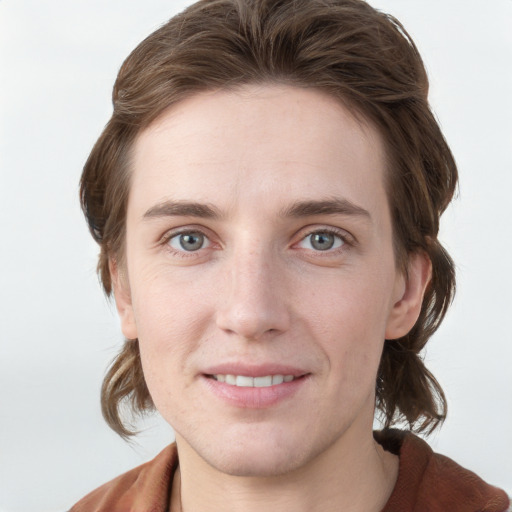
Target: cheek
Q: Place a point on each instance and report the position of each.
(168, 305)
(349, 320)
(168, 333)
(356, 305)
(171, 321)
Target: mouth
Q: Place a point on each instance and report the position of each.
(255, 392)
(244, 381)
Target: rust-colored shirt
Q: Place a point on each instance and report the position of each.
(427, 482)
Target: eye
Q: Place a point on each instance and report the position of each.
(322, 241)
(190, 241)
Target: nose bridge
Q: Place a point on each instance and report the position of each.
(254, 303)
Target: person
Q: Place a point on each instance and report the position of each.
(266, 198)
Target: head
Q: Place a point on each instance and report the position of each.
(350, 53)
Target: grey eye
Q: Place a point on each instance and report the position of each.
(322, 241)
(189, 242)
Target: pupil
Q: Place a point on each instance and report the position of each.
(191, 242)
(322, 241)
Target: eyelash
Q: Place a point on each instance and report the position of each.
(346, 239)
(165, 241)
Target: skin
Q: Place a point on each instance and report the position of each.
(256, 291)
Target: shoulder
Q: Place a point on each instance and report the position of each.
(430, 481)
(145, 488)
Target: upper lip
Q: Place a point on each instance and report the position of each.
(251, 370)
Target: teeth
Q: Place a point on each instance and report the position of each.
(263, 382)
(244, 382)
(256, 382)
(278, 379)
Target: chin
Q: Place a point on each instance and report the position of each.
(262, 454)
(256, 462)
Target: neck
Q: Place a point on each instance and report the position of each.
(355, 474)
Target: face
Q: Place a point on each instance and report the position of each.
(261, 281)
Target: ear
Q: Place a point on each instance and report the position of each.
(410, 290)
(123, 298)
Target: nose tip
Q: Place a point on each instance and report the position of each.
(250, 321)
(255, 305)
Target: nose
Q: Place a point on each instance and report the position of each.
(253, 302)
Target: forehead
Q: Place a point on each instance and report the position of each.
(272, 142)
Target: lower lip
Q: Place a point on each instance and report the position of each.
(252, 397)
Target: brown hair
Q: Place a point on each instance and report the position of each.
(348, 50)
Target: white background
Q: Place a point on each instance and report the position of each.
(58, 62)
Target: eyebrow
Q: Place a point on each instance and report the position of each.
(182, 209)
(334, 206)
(297, 209)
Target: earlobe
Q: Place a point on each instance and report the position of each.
(406, 309)
(122, 296)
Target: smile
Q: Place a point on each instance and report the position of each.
(253, 382)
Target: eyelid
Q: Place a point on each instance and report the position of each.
(184, 230)
(348, 239)
(204, 239)
(320, 228)
(337, 241)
